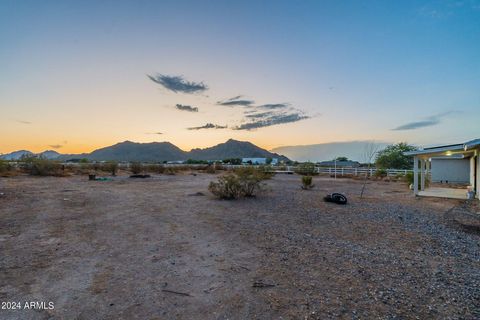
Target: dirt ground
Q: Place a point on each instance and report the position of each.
(164, 248)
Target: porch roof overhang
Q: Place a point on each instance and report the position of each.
(471, 144)
(462, 149)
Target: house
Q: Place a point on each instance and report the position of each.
(260, 161)
(458, 164)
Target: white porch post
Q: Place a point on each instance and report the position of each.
(415, 175)
(473, 161)
(422, 174)
(478, 173)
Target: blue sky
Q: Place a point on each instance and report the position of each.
(74, 73)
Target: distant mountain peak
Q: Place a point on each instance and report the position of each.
(160, 151)
(166, 151)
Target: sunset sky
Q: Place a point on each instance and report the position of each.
(79, 75)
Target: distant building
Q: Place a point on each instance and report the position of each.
(259, 161)
(343, 164)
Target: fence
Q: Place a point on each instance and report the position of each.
(360, 171)
(338, 171)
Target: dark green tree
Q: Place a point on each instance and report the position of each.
(341, 159)
(393, 157)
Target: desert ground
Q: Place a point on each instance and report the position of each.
(165, 248)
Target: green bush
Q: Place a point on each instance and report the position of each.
(306, 168)
(242, 182)
(192, 161)
(399, 176)
(307, 182)
(409, 179)
(250, 179)
(235, 161)
(381, 173)
(227, 187)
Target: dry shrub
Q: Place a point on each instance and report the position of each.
(210, 169)
(42, 167)
(170, 171)
(110, 166)
(136, 167)
(219, 166)
(227, 187)
(242, 182)
(7, 169)
(307, 182)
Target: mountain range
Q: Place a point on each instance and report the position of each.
(48, 154)
(159, 151)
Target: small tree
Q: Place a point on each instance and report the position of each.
(341, 159)
(369, 152)
(393, 157)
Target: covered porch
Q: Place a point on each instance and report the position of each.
(422, 169)
(451, 193)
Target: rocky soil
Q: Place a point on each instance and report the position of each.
(163, 248)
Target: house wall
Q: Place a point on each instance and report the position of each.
(451, 170)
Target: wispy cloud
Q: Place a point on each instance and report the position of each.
(208, 126)
(236, 101)
(427, 122)
(254, 115)
(274, 106)
(23, 121)
(158, 133)
(55, 146)
(271, 119)
(178, 84)
(186, 108)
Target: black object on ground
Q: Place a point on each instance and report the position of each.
(336, 198)
(140, 176)
(177, 292)
(91, 177)
(197, 194)
(261, 284)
